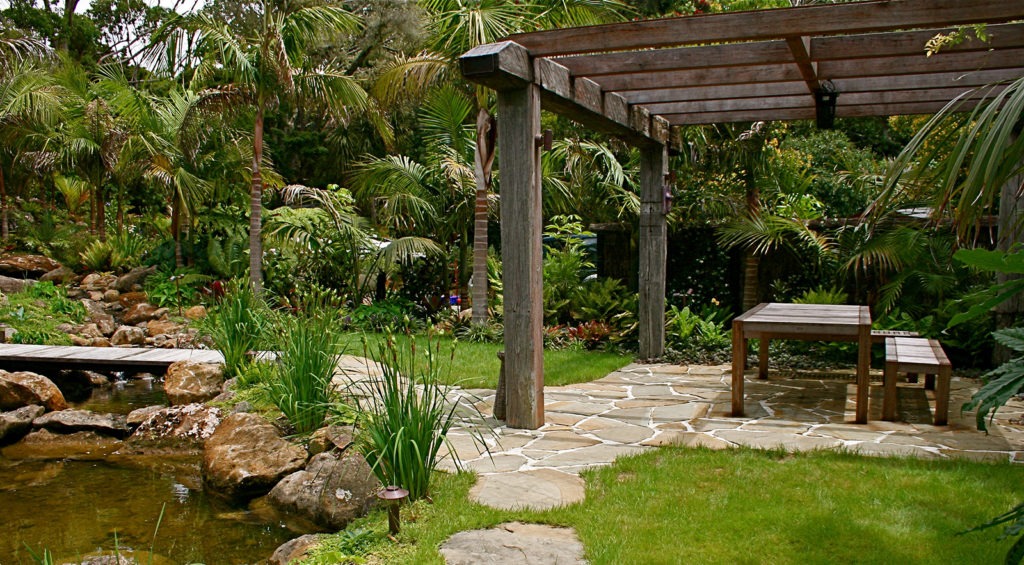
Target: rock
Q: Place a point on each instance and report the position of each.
(330, 438)
(133, 277)
(538, 489)
(80, 341)
(27, 265)
(95, 296)
(104, 560)
(241, 408)
(128, 335)
(66, 328)
(11, 285)
(24, 388)
(88, 330)
(247, 455)
(189, 381)
(43, 444)
(190, 423)
(143, 312)
(106, 324)
(15, 424)
(89, 280)
(131, 299)
(196, 312)
(111, 295)
(100, 283)
(68, 421)
(158, 327)
(514, 542)
(330, 492)
(294, 550)
(61, 275)
(100, 342)
(224, 397)
(138, 416)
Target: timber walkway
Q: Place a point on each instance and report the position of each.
(140, 359)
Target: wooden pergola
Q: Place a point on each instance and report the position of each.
(642, 80)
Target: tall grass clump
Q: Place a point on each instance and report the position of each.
(309, 348)
(237, 325)
(407, 417)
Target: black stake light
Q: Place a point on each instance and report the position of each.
(393, 496)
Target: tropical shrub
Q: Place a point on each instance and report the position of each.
(687, 331)
(822, 295)
(174, 289)
(391, 313)
(309, 349)
(237, 324)
(406, 415)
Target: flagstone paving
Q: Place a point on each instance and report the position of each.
(642, 407)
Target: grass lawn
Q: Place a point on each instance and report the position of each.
(476, 365)
(679, 505)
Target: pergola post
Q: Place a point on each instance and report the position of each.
(519, 156)
(653, 250)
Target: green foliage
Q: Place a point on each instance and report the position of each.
(822, 295)
(407, 417)
(599, 300)
(310, 349)
(1014, 520)
(237, 324)
(176, 289)
(689, 332)
(116, 253)
(390, 313)
(45, 290)
(229, 258)
(347, 546)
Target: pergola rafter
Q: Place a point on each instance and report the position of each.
(638, 80)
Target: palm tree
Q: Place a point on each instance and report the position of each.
(256, 72)
(456, 27)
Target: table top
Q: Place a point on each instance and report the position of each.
(805, 319)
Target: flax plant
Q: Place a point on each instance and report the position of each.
(237, 325)
(407, 416)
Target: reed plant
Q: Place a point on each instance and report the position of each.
(237, 325)
(407, 416)
(309, 347)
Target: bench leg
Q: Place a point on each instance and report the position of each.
(942, 397)
(739, 356)
(911, 377)
(929, 382)
(890, 400)
(762, 358)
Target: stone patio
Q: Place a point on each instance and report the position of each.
(641, 407)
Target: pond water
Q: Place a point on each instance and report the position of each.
(123, 396)
(75, 508)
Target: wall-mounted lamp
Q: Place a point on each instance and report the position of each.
(825, 105)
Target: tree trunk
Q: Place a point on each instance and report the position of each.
(751, 262)
(4, 227)
(176, 230)
(120, 211)
(1011, 233)
(256, 206)
(486, 131)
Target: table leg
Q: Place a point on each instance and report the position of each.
(762, 358)
(863, 368)
(890, 401)
(739, 356)
(942, 397)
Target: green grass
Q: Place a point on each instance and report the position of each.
(476, 365)
(37, 317)
(678, 505)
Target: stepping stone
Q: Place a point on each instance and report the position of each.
(540, 489)
(560, 441)
(679, 412)
(686, 439)
(574, 407)
(625, 433)
(773, 440)
(594, 455)
(514, 543)
(891, 450)
(499, 463)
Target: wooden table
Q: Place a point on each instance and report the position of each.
(809, 322)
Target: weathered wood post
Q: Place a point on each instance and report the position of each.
(653, 250)
(507, 68)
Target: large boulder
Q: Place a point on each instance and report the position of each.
(69, 421)
(247, 455)
(17, 423)
(189, 381)
(45, 445)
(61, 274)
(133, 277)
(293, 550)
(131, 299)
(143, 312)
(24, 388)
(330, 492)
(196, 312)
(27, 265)
(128, 335)
(174, 425)
(12, 285)
(159, 327)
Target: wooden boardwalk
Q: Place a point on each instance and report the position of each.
(139, 359)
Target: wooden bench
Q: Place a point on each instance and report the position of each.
(913, 355)
(879, 336)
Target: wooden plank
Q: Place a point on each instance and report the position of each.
(740, 116)
(750, 312)
(907, 109)
(587, 94)
(924, 81)
(693, 93)
(553, 77)
(640, 120)
(519, 114)
(733, 104)
(660, 129)
(7, 350)
(916, 64)
(862, 46)
(723, 55)
(616, 108)
(706, 77)
(796, 328)
(800, 47)
(833, 19)
(653, 252)
(499, 66)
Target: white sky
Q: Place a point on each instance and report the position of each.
(83, 5)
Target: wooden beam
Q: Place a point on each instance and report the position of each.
(904, 109)
(890, 44)
(800, 47)
(704, 77)
(684, 94)
(783, 114)
(916, 64)
(830, 19)
(500, 66)
(928, 80)
(653, 252)
(724, 55)
(519, 156)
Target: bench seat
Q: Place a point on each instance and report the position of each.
(912, 355)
